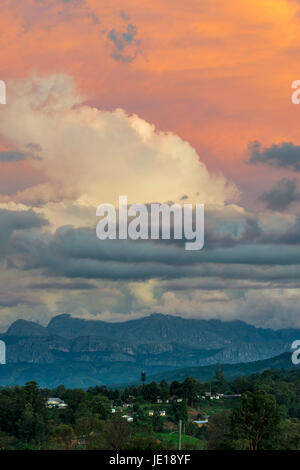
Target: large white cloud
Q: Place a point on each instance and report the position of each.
(94, 156)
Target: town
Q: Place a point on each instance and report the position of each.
(188, 415)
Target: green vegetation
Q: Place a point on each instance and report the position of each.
(263, 414)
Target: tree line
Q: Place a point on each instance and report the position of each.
(267, 416)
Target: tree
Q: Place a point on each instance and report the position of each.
(219, 377)
(256, 419)
(151, 392)
(27, 424)
(218, 431)
(63, 435)
(157, 422)
(35, 397)
(74, 397)
(31, 426)
(89, 430)
(100, 406)
(118, 433)
(144, 443)
(190, 389)
(164, 390)
(178, 411)
(288, 437)
(176, 388)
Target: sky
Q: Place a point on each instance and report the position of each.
(160, 101)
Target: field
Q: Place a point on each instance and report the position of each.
(188, 442)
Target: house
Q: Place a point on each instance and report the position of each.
(159, 400)
(200, 422)
(150, 413)
(162, 413)
(128, 418)
(56, 403)
(113, 410)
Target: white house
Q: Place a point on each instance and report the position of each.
(128, 418)
(56, 403)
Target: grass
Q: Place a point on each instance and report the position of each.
(211, 407)
(186, 441)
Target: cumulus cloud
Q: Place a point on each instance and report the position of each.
(95, 156)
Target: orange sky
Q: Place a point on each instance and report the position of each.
(216, 73)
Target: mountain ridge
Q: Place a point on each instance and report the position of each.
(166, 328)
(155, 343)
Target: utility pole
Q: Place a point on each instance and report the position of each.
(179, 434)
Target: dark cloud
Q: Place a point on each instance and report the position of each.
(283, 194)
(11, 221)
(10, 301)
(125, 44)
(124, 15)
(77, 253)
(237, 246)
(11, 156)
(283, 155)
(76, 285)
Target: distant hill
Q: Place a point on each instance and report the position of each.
(283, 361)
(26, 328)
(84, 375)
(113, 353)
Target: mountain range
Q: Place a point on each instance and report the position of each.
(81, 352)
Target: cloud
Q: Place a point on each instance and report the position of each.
(125, 44)
(272, 308)
(101, 154)
(283, 155)
(77, 253)
(282, 195)
(11, 156)
(18, 220)
(76, 285)
(10, 301)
